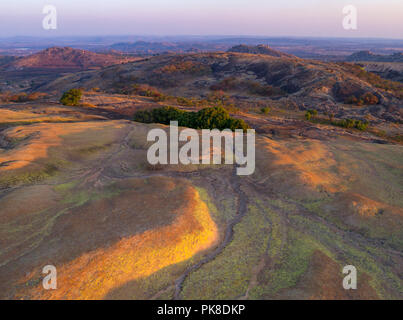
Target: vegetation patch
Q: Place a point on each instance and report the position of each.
(208, 118)
(22, 97)
(392, 86)
(311, 115)
(229, 274)
(71, 97)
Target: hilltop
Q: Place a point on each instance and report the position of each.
(77, 190)
(66, 58)
(260, 49)
(369, 56)
(295, 83)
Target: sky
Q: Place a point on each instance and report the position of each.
(314, 18)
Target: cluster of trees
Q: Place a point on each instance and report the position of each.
(207, 118)
(392, 86)
(367, 98)
(265, 110)
(184, 67)
(148, 91)
(21, 97)
(351, 123)
(264, 90)
(71, 97)
(310, 115)
(214, 99)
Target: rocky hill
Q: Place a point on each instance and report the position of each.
(260, 49)
(149, 48)
(369, 56)
(66, 58)
(302, 83)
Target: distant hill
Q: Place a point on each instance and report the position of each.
(66, 58)
(387, 70)
(260, 49)
(6, 60)
(305, 82)
(143, 47)
(147, 48)
(369, 56)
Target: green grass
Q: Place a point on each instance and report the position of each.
(368, 259)
(29, 176)
(228, 275)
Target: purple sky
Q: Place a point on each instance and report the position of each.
(321, 18)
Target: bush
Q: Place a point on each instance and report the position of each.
(265, 110)
(208, 118)
(351, 123)
(310, 113)
(370, 98)
(367, 98)
(71, 97)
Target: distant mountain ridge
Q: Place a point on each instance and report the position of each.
(369, 56)
(145, 47)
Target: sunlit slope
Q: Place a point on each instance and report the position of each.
(99, 228)
(82, 197)
(314, 206)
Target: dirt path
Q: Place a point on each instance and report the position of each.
(229, 233)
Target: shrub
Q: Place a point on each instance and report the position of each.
(264, 90)
(370, 98)
(265, 110)
(147, 91)
(71, 97)
(227, 84)
(367, 98)
(351, 123)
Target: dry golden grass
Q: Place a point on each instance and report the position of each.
(305, 163)
(39, 138)
(93, 274)
(323, 280)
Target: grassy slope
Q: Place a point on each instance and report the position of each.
(293, 212)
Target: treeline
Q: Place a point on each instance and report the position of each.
(208, 118)
(311, 115)
(21, 97)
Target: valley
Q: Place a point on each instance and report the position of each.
(77, 190)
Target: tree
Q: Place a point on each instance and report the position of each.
(208, 118)
(370, 99)
(71, 97)
(265, 110)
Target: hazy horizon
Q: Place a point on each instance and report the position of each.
(252, 18)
